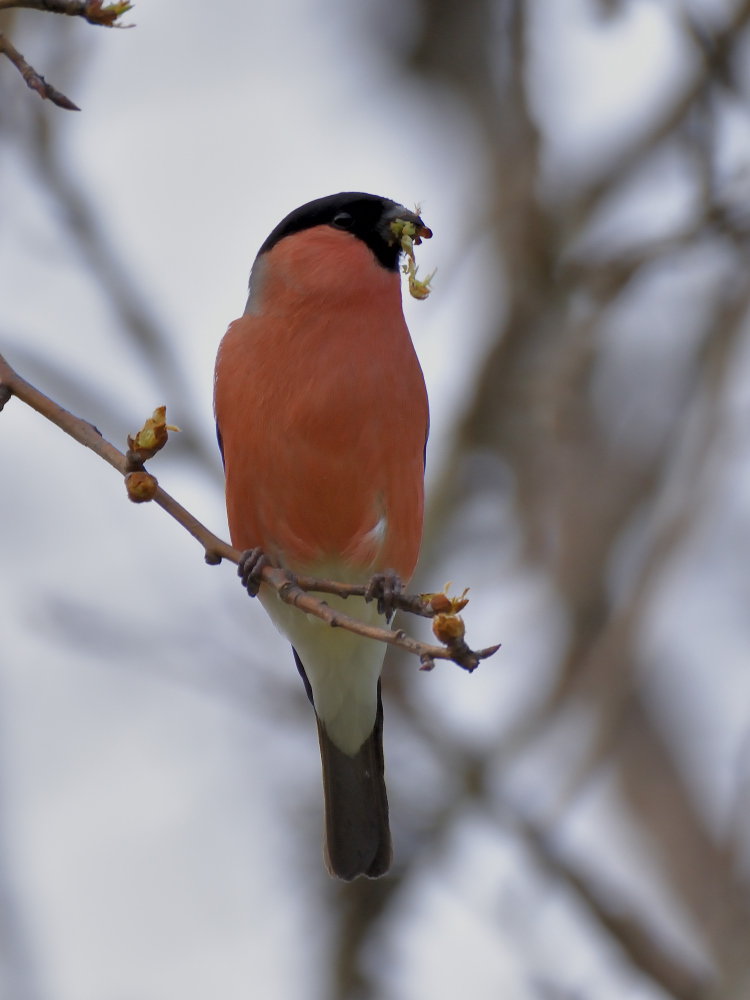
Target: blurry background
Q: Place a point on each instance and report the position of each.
(572, 821)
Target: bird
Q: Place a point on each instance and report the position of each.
(322, 419)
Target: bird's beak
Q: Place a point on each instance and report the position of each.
(400, 212)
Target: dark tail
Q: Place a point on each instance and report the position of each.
(357, 835)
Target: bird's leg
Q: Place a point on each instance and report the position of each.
(385, 587)
(250, 569)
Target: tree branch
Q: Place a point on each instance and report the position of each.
(33, 79)
(292, 590)
(92, 11)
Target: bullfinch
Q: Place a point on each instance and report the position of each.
(322, 419)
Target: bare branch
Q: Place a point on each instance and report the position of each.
(92, 11)
(289, 588)
(33, 79)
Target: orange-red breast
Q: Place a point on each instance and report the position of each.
(322, 416)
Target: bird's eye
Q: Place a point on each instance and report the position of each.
(343, 220)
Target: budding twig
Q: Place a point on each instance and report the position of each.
(291, 589)
(93, 11)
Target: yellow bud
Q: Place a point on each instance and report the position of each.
(441, 603)
(448, 628)
(141, 486)
(97, 13)
(152, 436)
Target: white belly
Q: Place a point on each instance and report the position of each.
(343, 668)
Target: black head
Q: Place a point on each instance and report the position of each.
(365, 216)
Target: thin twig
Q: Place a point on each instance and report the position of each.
(290, 589)
(92, 11)
(414, 604)
(33, 79)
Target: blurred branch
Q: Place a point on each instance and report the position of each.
(467, 775)
(578, 491)
(600, 666)
(512, 407)
(69, 385)
(625, 928)
(19, 965)
(291, 589)
(361, 905)
(701, 871)
(115, 281)
(721, 44)
(599, 659)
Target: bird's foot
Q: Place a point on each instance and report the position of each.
(385, 587)
(250, 569)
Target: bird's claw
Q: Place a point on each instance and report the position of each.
(250, 569)
(386, 588)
